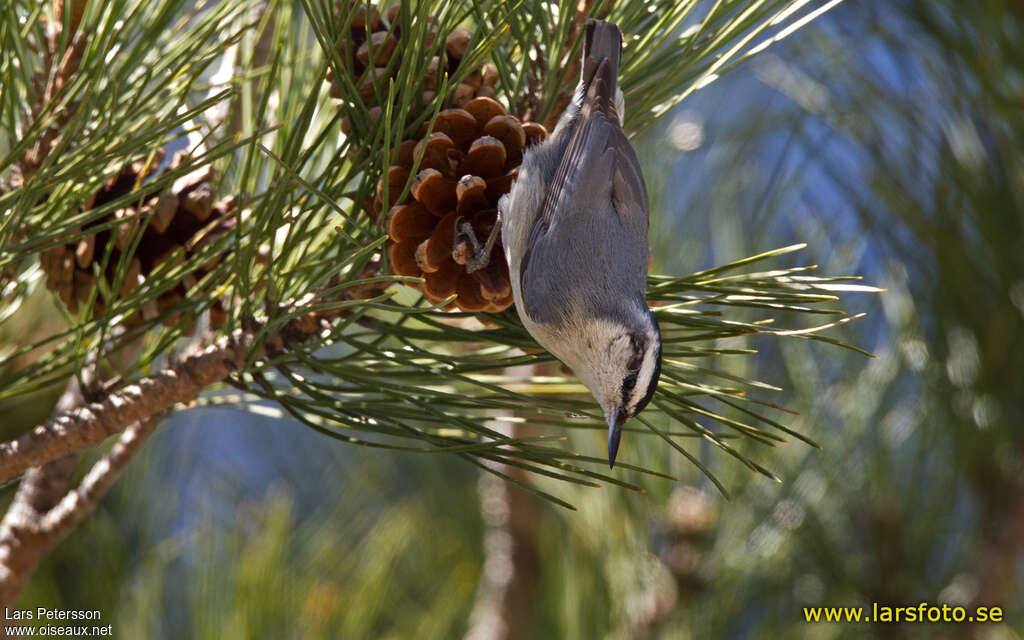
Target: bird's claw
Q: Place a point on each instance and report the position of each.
(480, 256)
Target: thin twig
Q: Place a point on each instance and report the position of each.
(27, 535)
(81, 501)
(89, 425)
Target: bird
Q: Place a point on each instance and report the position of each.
(574, 228)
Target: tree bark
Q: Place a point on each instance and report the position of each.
(511, 569)
(89, 425)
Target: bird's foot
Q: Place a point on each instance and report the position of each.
(466, 248)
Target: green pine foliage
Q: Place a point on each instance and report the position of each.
(391, 371)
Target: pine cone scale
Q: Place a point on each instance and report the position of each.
(160, 228)
(461, 145)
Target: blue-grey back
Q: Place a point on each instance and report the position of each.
(592, 250)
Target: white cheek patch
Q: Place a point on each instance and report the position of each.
(643, 379)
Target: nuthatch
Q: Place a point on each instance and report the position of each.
(574, 228)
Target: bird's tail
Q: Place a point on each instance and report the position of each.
(602, 49)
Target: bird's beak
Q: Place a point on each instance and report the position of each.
(614, 433)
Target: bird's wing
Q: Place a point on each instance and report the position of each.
(592, 227)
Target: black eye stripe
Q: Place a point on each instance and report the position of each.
(628, 384)
(638, 343)
(652, 385)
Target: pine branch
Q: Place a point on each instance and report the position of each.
(89, 425)
(78, 503)
(27, 534)
(33, 157)
(394, 371)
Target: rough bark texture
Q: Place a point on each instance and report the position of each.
(40, 490)
(30, 529)
(90, 424)
(44, 511)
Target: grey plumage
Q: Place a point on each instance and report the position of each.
(574, 228)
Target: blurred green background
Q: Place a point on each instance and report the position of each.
(889, 136)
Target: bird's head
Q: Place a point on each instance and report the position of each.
(620, 362)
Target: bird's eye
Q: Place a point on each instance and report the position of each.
(628, 383)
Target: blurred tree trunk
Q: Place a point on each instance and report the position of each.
(511, 568)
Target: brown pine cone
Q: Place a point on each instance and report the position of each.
(173, 225)
(468, 162)
(371, 44)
